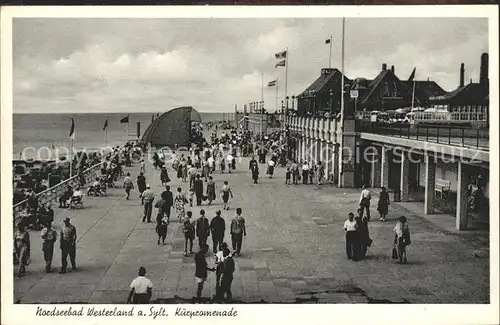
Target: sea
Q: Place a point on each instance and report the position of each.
(44, 136)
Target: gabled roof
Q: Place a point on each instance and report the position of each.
(470, 92)
(431, 88)
(319, 85)
(374, 84)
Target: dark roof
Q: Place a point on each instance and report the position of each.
(172, 127)
(431, 88)
(374, 84)
(319, 85)
(473, 92)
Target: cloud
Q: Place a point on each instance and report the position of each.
(116, 65)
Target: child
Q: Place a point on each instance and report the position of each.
(288, 174)
(191, 195)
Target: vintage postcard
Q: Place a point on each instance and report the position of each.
(249, 164)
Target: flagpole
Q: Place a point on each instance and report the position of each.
(71, 156)
(277, 88)
(413, 95)
(330, 57)
(341, 108)
(261, 111)
(128, 125)
(106, 134)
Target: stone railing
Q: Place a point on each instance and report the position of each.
(52, 194)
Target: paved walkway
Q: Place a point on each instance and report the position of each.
(294, 252)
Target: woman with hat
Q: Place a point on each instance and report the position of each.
(402, 238)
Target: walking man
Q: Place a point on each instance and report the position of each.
(201, 266)
(141, 289)
(198, 189)
(202, 229)
(218, 227)
(148, 197)
(305, 172)
(68, 245)
(295, 172)
(128, 185)
(49, 237)
(188, 229)
(364, 202)
(238, 230)
(350, 236)
(141, 185)
(169, 201)
(227, 275)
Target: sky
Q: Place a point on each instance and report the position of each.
(68, 65)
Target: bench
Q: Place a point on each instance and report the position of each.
(442, 186)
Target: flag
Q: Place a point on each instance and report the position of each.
(53, 147)
(328, 41)
(412, 75)
(271, 83)
(124, 120)
(105, 125)
(280, 55)
(72, 129)
(282, 63)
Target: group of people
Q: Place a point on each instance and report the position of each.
(305, 172)
(357, 232)
(39, 216)
(67, 244)
(201, 228)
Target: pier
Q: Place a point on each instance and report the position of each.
(294, 250)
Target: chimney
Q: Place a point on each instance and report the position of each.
(384, 66)
(483, 72)
(462, 74)
(392, 68)
(470, 80)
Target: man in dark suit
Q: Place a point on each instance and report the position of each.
(218, 227)
(198, 189)
(202, 229)
(169, 201)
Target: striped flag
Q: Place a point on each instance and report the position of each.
(72, 129)
(328, 41)
(105, 125)
(280, 55)
(271, 83)
(281, 63)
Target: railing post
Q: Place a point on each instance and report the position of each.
(417, 132)
(449, 135)
(427, 133)
(463, 135)
(477, 139)
(409, 132)
(437, 136)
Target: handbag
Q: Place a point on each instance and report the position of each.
(394, 253)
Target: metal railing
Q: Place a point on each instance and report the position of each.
(450, 135)
(419, 117)
(51, 194)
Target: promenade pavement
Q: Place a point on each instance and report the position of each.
(294, 251)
